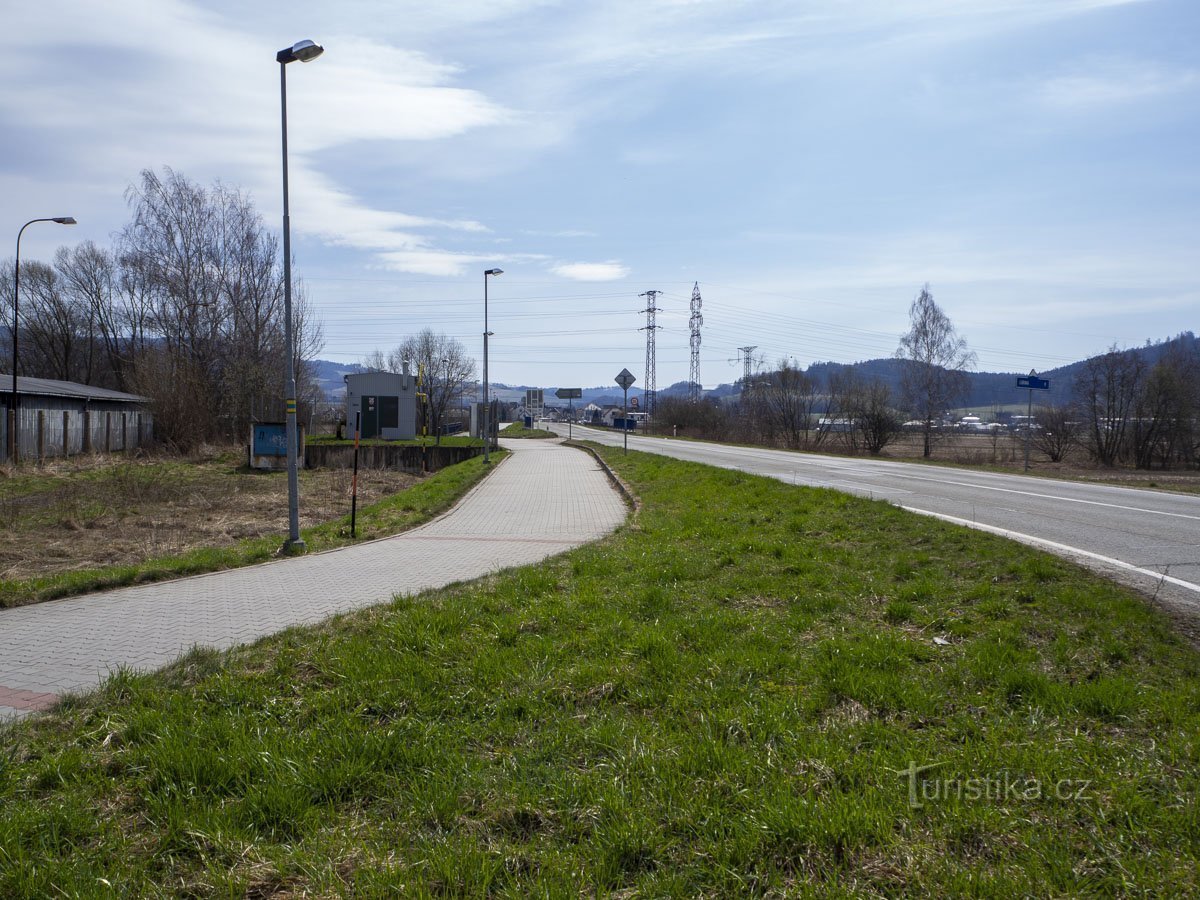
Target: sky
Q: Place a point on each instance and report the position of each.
(811, 164)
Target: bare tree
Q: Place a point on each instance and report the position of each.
(1055, 430)
(376, 361)
(56, 335)
(788, 398)
(441, 362)
(934, 357)
(88, 276)
(201, 277)
(706, 418)
(1106, 388)
(873, 416)
(186, 309)
(1163, 430)
(841, 402)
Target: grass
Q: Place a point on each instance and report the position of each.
(391, 515)
(518, 430)
(733, 695)
(976, 452)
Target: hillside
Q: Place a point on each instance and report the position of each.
(986, 388)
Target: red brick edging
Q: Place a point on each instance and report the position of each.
(26, 700)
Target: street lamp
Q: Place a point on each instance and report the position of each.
(487, 403)
(305, 51)
(14, 445)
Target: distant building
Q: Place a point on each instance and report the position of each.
(63, 418)
(386, 403)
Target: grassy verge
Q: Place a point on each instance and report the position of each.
(396, 513)
(1181, 481)
(753, 689)
(518, 430)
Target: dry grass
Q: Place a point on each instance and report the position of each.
(93, 511)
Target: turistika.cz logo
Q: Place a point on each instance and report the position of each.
(999, 787)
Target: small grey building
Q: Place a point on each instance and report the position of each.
(387, 403)
(63, 418)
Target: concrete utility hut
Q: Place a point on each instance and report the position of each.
(387, 403)
(62, 418)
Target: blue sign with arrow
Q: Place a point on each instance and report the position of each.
(1033, 382)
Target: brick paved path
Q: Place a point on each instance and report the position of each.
(542, 500)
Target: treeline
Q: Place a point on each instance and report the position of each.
(185, 308)
(788, 407)
(1137, 408)
(1127, 410)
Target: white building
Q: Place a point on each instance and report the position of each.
(386, 403)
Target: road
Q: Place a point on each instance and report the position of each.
(1147, 539)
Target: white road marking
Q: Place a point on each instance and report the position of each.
(1059, 548)
(985, 487)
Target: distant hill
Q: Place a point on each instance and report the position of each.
(329, 376)
(986, 388)
(999, 388)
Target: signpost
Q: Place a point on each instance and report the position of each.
(1032, 383)
(625, 379)
(354, 481)
(571, 394)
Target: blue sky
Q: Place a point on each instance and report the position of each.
(810, 164)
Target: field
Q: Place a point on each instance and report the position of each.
(1006, 453)
(96, 521)
(753, 688)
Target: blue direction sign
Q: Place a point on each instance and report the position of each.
(1033, 382)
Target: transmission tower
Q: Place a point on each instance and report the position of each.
(650, 387)
(695, 321)
(745, 358)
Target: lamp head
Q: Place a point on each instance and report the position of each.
(493, 272)
(305, 51)
(65, 220)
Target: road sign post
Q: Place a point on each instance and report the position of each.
(571, 394)
(625, 379)
(1032, 383)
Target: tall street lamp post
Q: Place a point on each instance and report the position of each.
(14, 446)
(305, 51)
(487, 403)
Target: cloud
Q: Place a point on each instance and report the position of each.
(582, 271)
(371, 91)
(429, 261)
(170, 83)
(565, 233)
(1111, 82)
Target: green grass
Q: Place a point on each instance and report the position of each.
(391, 515)
(724, 698)
(518, 430)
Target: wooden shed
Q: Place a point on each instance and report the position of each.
(62, 418)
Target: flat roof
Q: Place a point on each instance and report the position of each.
(48, 387)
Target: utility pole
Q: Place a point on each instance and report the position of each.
(695, 322)
(650, 328)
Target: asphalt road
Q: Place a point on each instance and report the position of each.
(1147, 539)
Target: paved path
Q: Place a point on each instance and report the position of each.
(540, 501)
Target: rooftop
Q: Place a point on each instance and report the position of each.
(48, 387)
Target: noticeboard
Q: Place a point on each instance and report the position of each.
(269, 439)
